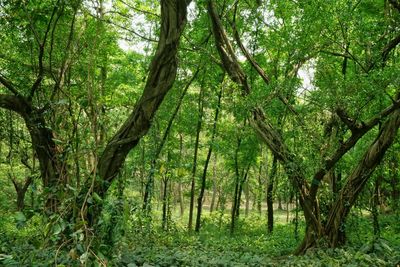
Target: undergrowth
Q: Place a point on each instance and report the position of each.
(24, 243)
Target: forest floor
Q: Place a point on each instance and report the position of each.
(251, 245)
(22, 243)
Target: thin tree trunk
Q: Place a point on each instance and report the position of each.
(247, 197)
(270, 200)
(165, 198)
(180, 193)
(204, 176)
(235, 194)
(214, 184)
(394, 182)
(239, 196)
(194, 169)
(260, 186)
(375, 207)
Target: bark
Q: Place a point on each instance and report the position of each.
(247, 197)
(165, 199)
(259, 190)
(204, 176)
(162, 72)
(394, 182)
(375, 205)
(270, 200)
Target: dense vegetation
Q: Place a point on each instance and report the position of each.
(199, 133)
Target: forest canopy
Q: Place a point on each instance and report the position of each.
(199, 133)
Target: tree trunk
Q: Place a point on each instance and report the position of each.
(247, 197)
(240, 191)
(270, 200)
(194, 169)
(394, 181)
(204, 176)
(214, 184)
(375, 206)
(21, 190)
(235, 194)
(165, 203)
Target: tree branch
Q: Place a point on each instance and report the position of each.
(140, 10)
(42, 45)
(8, 84)
(359, 129)
(390, 46)
(14, 103)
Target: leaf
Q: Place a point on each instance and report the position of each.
(96, 197)
(57, 229)
(20, 217)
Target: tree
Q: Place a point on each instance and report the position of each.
(269, 134)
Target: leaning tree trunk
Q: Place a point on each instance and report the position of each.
(162, 73)
(160, 79)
